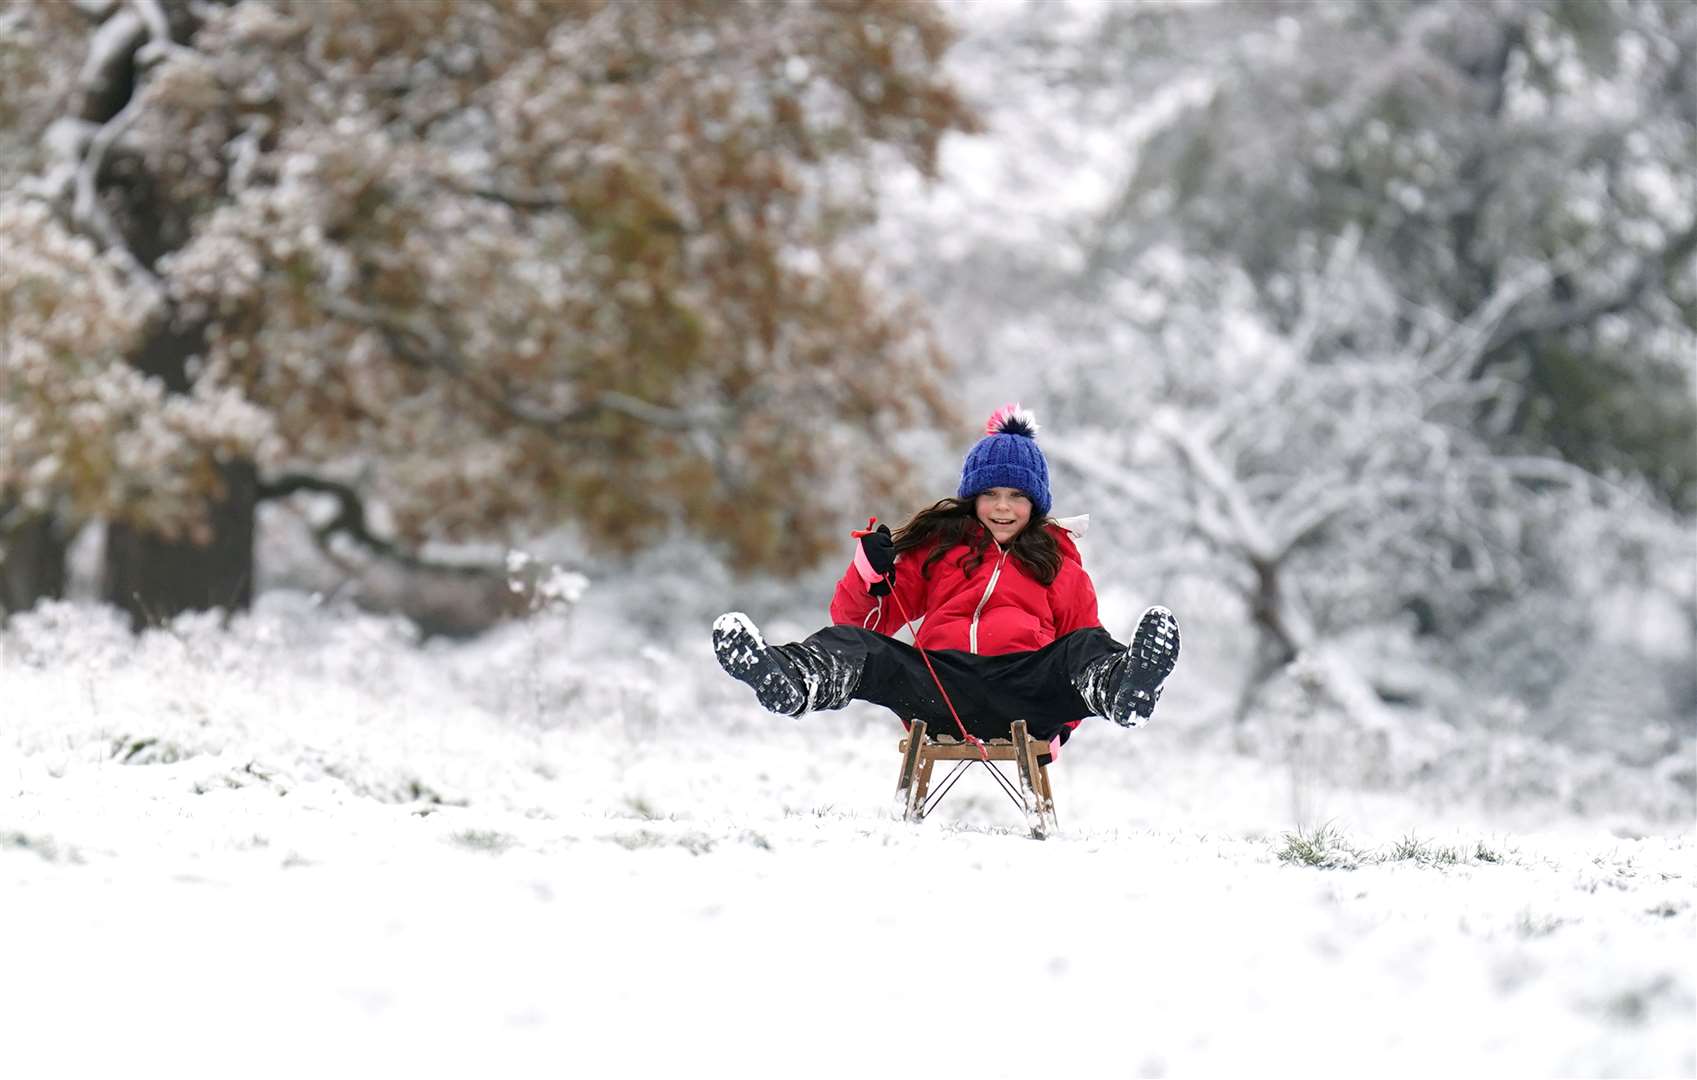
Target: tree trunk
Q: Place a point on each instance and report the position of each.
(154, 578)
(150, 576)
(1277, 642)
(32, 563)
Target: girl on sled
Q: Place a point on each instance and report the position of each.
(1006, 614)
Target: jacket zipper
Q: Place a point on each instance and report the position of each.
(972, 633)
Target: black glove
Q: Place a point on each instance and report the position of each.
(879, 548)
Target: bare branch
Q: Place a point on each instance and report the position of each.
(1554, 472)
(87, 209)
(1317, 513)
(351, 521)
(119, 36)
(1249, 533)
(637, 409)
(1120, 481)
(160, 42)
(94, 10)
(551, 201)
(110, 49)
(1556, 318)
(1469, 340)
(530, 201)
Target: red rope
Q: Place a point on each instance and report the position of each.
(983, 751)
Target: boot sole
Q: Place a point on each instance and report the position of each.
(742, 653)
(1154, 648)
(1150, 659)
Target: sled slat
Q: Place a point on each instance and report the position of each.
(1000, 750)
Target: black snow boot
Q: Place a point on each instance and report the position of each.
(1125, 687)
(787, 679)
(745, 656)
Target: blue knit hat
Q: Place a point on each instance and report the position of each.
(1007, 456)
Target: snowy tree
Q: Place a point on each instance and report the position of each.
(1470, 144)
(1428, 452)
(469, 268)
(1349, 506)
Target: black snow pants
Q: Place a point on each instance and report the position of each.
(989, 692)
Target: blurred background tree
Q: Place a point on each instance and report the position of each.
(468, 269)
(1532, 163)
(1513, 190)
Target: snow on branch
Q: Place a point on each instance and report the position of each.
(1556, 318)
(1122, 482)
(352, 521)
(158, 26)
(116, 42)
(110, 48)
(1247, 529)
(87, 210)
(1471, 339)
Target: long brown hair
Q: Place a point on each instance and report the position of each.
(954, 522)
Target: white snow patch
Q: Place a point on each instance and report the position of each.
(306, 839)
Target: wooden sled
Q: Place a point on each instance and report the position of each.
(921, 751)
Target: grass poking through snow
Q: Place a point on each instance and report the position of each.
(1326, 847)
(1323, 846)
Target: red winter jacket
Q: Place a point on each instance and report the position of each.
(998, 608)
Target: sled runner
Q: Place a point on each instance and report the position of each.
(1032, 794)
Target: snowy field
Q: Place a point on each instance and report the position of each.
(308, 844)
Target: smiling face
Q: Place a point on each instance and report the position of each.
(1004, 511)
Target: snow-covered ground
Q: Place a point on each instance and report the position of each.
(308, 844)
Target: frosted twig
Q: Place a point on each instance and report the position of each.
(1251, 534)
(1119, 480)
(160, 43)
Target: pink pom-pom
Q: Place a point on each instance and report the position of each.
(1012, 420)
